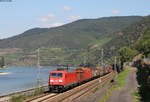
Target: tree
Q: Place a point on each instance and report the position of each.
(126, 54)
(2, 62)
(144, 47)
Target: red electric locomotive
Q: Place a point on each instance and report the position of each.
(60, 80)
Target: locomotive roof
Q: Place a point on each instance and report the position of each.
(60, 71)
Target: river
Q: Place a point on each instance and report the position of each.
(16, 79)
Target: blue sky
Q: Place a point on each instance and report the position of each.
(20, 15)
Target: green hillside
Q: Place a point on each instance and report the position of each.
(78, 34)
(132, 36)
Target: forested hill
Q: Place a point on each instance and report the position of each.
(134, 36)
(78, 34)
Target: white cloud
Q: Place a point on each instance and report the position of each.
(66, 8)
(47, 18)
(115, 11)
(74, 17)
(55, 24)
(43, 19)
(51, 16)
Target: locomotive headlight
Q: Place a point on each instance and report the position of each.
(60, 80)
(51, 80)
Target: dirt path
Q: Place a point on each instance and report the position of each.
(125, 94)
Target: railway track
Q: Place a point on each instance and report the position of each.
(41, 98)
(74, 93)
(87, 91)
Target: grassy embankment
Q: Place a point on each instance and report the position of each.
(136, 96)
(120, 83)
(21, 98)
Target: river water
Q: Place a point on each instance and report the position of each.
(22, 78)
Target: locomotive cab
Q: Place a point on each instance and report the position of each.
(56, 80)
(61, 80)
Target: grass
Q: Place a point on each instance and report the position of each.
(136, 96)
(21, 98)
(120, 79)
(101, 42)
(12, 56)
(120, 83)
(96, 89)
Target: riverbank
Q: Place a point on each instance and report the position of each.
(22, 95)
(5, 73)
(3, 67)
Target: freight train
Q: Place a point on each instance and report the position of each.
(62, 79)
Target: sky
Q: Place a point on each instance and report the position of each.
(18, 16)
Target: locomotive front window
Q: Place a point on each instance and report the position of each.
(56, 75)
